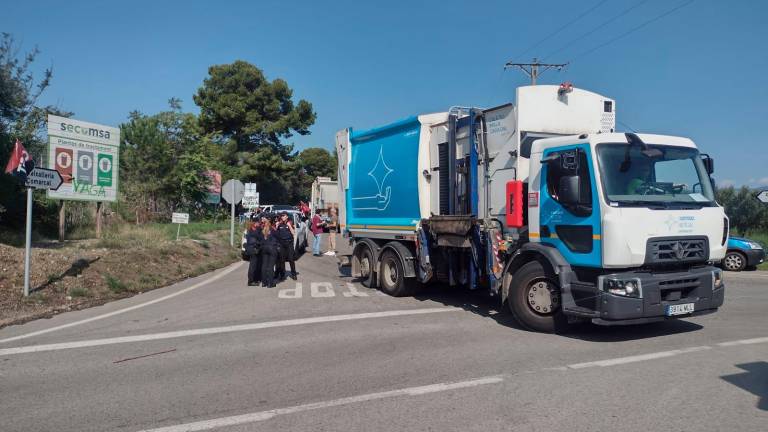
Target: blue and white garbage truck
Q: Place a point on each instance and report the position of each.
(543, 203)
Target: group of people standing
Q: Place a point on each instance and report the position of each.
(269, 244)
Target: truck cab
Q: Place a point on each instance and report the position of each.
(635, 219)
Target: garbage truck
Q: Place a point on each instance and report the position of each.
(543, 203)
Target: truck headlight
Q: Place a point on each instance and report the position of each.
(625, 287)
(717, 278)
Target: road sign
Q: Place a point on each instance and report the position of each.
(213, 195)
(233, 191)
(250, 196)
(43, 178)
(251, 202)
(762, 196)
(87, 157)
(180, 218)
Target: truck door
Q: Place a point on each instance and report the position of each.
(570, 211)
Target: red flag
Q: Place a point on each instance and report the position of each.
(18, 160)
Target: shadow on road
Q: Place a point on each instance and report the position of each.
(594, 333)
(481, 303)
(754, 380)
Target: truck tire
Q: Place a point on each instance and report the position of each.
(734, 261)
(365, 257)
(534, 299)
(393, 281)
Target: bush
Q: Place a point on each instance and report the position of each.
(115, 285)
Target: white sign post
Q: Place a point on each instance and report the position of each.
(250, 196)
(233, 192)
(38, 178)
(179, 218)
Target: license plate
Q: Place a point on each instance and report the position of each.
(680, 309)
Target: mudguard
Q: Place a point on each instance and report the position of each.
(406, 257)
(557, 264)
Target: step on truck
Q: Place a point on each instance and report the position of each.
(541, 202)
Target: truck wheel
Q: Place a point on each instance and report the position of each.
(393, 281)
(365, 256)
(734, 261)
(534, 298)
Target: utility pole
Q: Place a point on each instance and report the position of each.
(532, 69)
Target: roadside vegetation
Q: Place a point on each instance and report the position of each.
(129, 260)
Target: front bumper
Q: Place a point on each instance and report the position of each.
(754, 257)
(659, 291)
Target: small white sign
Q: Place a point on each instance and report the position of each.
(180, 218)
(763, 196)
(252, 201)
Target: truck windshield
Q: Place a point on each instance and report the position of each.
(668, 177)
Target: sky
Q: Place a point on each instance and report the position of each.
(696, 72)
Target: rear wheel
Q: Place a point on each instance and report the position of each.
(365, 257)
(393, 280)
(534, 299)
(734, 261)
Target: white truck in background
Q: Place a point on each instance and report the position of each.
(541, 202)
(325, 195)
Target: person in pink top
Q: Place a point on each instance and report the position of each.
(316, 226)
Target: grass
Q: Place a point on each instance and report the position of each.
(147, 235)
(79, 292)
(116, 285)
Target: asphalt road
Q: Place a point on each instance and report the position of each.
(327, 354)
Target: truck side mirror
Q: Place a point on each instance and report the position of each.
(569, 191)
(709, 163)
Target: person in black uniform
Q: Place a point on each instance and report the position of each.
(253, 249)
(269, 247)
(285, 234)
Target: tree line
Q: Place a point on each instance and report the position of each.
(244, 130)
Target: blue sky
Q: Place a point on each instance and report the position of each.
(698, 72)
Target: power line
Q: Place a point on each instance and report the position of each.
(563, 27)
(532, 69)
(600, 26)
(634, 29)
(631, 129)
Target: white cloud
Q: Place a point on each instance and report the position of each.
(726, 183)
(763, 181)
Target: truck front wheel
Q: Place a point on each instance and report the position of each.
(534, 299)
(393, 280)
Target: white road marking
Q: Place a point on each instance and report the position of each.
(128, 309)
(321, 289)
(266, 415)
(744, 342)
(218, 330)
(637, 358)
(291, 293)
(353, 291)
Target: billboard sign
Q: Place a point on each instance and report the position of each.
(213, 195)
(87, 157)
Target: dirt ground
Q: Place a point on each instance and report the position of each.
(81, 274)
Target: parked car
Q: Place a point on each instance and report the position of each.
(742, 253)
(299, 242)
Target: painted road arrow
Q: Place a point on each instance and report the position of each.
(44, 178)
(763, 196)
